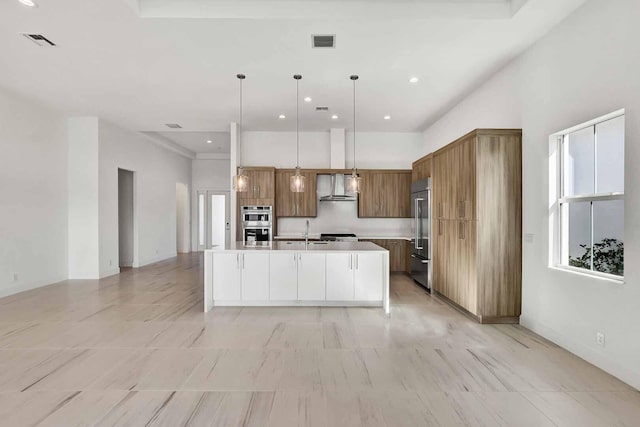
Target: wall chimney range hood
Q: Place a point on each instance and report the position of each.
(338, 192)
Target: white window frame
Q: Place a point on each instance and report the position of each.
(557, 199)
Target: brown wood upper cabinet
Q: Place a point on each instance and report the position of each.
(385, 194)
(477, 205)
(421, 168)
(289, 204)
(261, 183)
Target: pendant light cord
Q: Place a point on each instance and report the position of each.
(297, 123)
(353, 79)
(240, 77)
(354, 125)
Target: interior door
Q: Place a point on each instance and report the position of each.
(213, 219)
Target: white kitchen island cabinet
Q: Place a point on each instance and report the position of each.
(297, 274)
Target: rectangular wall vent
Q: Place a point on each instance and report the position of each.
(322, 108)
(40, 40)
(323, 40)
(173, 126)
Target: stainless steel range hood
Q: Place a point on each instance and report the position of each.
(338, 191)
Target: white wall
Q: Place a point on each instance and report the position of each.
(586, 67)
(183, 222)
(375, 150)
(157, 171)
(83, 187)
(33, 191)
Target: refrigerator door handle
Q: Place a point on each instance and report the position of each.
(418, 222)
(430, 223)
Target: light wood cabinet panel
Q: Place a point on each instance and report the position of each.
(500, 213)
(477, 203)
(385, 194)
(289, 204)
(421, 169)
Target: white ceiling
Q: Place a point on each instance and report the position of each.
(143, 72)
(197, 141)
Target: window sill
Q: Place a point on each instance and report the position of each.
(592, 275)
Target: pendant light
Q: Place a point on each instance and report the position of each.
(297, 181)
(240, 181)
(354, 179)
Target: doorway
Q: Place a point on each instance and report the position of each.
(125, 217)
(183, 240)
(213, 219)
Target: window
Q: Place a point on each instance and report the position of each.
(590, 202)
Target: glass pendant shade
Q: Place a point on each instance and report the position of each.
(241, 181)
(297, 182)
(353, 183)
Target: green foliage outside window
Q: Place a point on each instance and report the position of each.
(608, 257)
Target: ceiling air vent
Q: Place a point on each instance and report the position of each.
(173, 126)
(40, 40)
(322, 108)
(325, 40)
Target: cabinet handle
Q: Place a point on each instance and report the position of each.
(350, 262)
(238, 261)
(300, 258)
(357, 262)
(461, 231)
(439, 227)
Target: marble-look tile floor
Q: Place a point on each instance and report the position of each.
(137, 350)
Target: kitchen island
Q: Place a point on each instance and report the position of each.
(336, 274)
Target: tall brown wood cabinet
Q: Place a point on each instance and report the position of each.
(477, 211)
(385, 194)
(289, 204)
(261, 192)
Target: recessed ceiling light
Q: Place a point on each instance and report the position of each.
(209, 141)
(334, 117)
(414, 80)
(308, 99)
(387, 117)
(28, 3)
(282, 116)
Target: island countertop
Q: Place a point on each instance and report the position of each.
(302, 246)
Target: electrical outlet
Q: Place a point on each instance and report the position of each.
(528, 238)
(14, 277)
(110, 263)
(600, 339)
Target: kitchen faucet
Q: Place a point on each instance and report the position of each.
(306, 234)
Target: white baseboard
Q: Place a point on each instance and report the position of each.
(627, 374)
(17, 288)
(111, 272)
(157, 259)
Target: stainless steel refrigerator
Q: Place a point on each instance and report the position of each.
(421, 232)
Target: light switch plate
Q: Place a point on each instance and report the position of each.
(528, 238)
